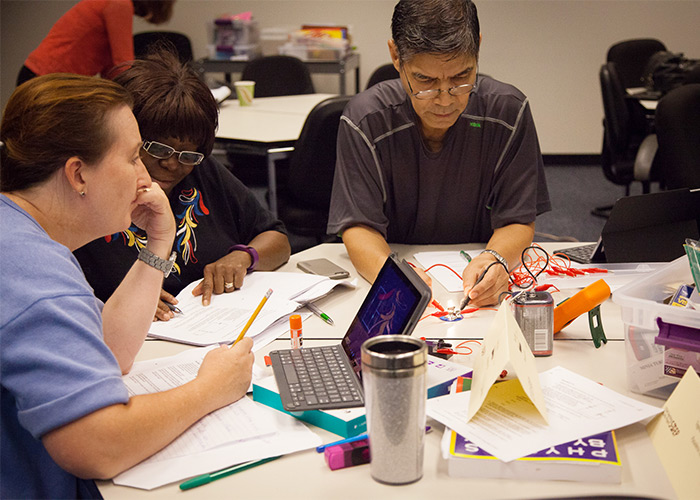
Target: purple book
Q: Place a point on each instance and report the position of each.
(594, 459)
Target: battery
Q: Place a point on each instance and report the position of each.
(534, 312)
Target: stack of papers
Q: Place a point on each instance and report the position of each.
(224, 318)
(237, 433)
(509, 426)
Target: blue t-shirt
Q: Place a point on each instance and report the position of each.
(54, 365)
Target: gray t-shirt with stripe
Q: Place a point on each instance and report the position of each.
(488, 174)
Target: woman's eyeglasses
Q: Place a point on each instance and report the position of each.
(163, 152)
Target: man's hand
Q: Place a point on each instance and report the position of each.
(487, 291)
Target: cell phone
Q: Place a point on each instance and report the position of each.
(323, 267)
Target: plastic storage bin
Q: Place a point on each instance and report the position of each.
(642, 303)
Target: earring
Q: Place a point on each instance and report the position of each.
(82, 194)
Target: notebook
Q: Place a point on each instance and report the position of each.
(645, 228)
(329, 377)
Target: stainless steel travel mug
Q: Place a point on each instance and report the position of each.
(393, 375)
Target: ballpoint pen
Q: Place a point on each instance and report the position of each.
(359, 437)
(174, 308)
(314, 309)
(208, 478)
(465, 300)
(353, 439)
(253, 316)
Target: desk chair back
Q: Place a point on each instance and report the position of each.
(624, 130)
(143, 42)
(306, 198)
(383, 72)
(631, 57)
(278, 75)
(678, 131)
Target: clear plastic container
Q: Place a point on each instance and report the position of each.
(641, 304)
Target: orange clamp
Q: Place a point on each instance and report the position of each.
(585, 300)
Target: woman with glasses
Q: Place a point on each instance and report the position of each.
(440, 155)
(222, 230)
(71, 173)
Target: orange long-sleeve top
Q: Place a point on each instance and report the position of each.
(91, 38)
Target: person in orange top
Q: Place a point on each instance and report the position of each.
(92, 37)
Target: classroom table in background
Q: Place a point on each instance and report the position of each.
(269, 128)
(305, 475)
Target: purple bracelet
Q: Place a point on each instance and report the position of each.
(250, 251)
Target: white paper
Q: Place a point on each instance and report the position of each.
(577, 407)
(235, 422)
(224, 318)
(505, 345)
(290, 436)
(237, 433)
(449, 280)
(617, 275)
(221, 93)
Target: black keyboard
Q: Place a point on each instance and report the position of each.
(581, 254)
(316, 378)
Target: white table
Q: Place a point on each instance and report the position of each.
(304, 475)
(269, 128)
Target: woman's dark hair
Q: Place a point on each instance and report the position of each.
(157, 11)
(444, 27)
(52, 118)
(170, 100)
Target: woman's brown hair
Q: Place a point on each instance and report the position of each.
(52, 118)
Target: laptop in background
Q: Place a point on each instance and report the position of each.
(329, 377)
(645, 228)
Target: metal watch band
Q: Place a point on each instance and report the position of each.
(250, 251)
(166, 266)
(499, 258)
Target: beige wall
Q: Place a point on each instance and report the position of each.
(551, 49)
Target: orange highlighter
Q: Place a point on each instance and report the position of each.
(584, 301)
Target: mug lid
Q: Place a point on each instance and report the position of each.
(394, 352)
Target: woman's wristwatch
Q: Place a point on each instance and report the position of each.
(154, 261)
(250, 251)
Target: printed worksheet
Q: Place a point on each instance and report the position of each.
(509, 426)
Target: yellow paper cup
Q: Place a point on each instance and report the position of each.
(245, 89)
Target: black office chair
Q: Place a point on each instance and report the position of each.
(278, 75)
(629, 147)
(273, 76)
(305, 200)
(144, 42)
(631, 57)
(678, 131)
(383, 72)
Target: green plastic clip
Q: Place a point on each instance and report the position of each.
(596, 325)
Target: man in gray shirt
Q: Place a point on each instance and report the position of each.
(441, 155)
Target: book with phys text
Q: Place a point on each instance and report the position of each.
(592, 459)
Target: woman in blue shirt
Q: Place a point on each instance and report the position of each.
(71, 172)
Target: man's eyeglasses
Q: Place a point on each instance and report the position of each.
(163, 151)
(457, 90)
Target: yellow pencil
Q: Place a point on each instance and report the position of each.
(253, 316)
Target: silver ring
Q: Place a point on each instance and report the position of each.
(228, 286)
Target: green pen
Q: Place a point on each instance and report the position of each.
(208, 478)
(465, 255)
(314, 309)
